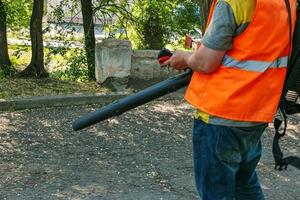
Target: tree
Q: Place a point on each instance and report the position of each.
(105, 9)
(89, 36)
(160, 22)
(114, 15)
(4, 57)
(154, 32)
(185, 17)
(204, 11)
(18, 13)
(152, 27)
(36, 66)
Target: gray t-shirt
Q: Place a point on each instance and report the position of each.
(224, 25)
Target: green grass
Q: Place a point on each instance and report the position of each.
(63, 65)
(20, 57)
(59, 82)
(24, 87)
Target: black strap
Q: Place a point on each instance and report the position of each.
(280, 132)
(288, 7)
(295, 53)
(292, 109)
(280, 162)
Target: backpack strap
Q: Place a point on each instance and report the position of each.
(295, 53)
(280, 129)
(280, 164)
(288, 7)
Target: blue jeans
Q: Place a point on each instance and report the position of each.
(225, 159)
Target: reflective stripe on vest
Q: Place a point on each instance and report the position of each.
(256, 66)
(248, 83)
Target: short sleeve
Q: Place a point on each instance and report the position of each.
(220, 32)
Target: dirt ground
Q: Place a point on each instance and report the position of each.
(144, 154)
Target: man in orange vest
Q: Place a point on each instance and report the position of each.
(239, 71)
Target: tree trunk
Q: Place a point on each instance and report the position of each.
(36, 66)
(204, 11)
(4, 57)
(89, 36)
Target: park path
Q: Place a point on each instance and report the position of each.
(143, 154)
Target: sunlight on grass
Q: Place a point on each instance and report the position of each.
(21, 87)
(58, 83)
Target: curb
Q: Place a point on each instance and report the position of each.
(59, 101)
(69, 100)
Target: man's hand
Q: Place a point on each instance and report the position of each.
(204, 60)
(178, 61)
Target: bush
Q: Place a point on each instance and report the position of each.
(76, 67)
(160, 22)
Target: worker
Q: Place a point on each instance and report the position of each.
(239, 71)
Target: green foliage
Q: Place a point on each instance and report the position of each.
(185, 17)
(150, 24)
(20, 56)
(62, 62)
(155, 32)
(7, 71)
(150, 29)
(160, 22)
(73, 60)
(113, 15)
(76, 66)
(18, 13)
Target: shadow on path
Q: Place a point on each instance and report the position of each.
(143, 154)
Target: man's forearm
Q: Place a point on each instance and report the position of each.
(194, 62)
(204, 59)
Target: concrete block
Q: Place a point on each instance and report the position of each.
(145, 66)
(113, 59)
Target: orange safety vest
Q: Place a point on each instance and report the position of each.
(248, 84)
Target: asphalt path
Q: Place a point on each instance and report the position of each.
(142, 154)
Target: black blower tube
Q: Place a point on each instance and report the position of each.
(118, 107)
